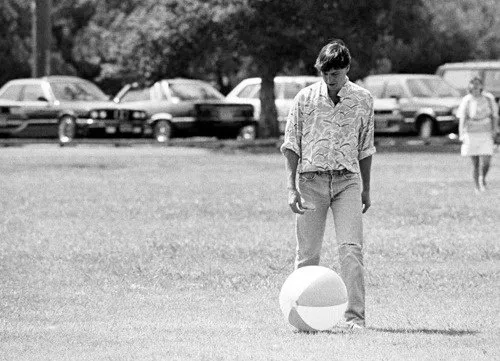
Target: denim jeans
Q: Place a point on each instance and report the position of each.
(339, 191)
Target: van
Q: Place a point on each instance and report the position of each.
(459, 75)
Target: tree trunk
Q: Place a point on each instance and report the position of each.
(268, 121)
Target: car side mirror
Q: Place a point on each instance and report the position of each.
(42, 99)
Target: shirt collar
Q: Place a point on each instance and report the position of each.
(343, 92)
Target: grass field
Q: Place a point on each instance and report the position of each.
(146, 253)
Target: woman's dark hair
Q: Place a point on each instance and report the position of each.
(473, 80)
(333, 55)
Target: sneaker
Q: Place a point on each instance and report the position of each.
(352, 326)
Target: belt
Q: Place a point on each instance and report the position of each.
(331, 172)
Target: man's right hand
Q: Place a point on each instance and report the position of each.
(296, 203)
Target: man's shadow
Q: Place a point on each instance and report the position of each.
(425, 331)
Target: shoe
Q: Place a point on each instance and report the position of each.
(352, 326)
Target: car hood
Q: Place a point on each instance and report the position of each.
(87, 106)
(385, 104)
(437, 102)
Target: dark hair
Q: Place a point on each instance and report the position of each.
(474, 79)
(333, 55)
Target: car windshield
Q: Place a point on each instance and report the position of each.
(194, 91)
(77, 91)
(431, 88)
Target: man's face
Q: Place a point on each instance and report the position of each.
(335, 78)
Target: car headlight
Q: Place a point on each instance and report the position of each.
(138, 115)
(94, 114)
(102, 114)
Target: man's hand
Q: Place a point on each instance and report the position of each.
(365, 200)
(297, 204)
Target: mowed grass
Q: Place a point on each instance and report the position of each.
(148, 253)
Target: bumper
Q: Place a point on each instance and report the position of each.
(111, 126)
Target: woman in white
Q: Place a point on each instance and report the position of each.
(478, 115)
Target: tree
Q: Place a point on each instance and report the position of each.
(277, 34)
(15, 39)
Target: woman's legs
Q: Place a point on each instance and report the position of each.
(485, 160)
(475, 171)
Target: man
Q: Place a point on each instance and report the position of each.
(328, 144)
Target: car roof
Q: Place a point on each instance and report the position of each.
(46, 78)
(403, 76)
(480, 64)
(283, 78)
(184, 80)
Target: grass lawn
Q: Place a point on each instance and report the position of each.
(147, 253)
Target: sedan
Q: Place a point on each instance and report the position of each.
(188, 108)
(65, 107)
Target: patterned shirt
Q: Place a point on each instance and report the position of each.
(326, 136)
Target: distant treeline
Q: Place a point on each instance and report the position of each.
(116, 41)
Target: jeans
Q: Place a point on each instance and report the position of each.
(339, 191)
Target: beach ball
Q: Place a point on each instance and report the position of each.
(313, 298)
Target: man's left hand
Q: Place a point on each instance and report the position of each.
(365, 200)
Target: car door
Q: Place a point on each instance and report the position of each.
(395, 94)
(42, 113)
(180, 98)
(285, 93)
(11, 119)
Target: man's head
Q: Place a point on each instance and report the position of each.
(333, 63)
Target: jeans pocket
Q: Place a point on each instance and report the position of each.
(350, 176)
(307, 176)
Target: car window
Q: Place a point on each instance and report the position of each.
(77, 91)
(248, 91)
(459, 78)
(394, 90)
(290, 90)
(194, 91)
(431, 88)
(134, 95)
(11, 92)
(32, 92)
(375, 86)
(492, 79)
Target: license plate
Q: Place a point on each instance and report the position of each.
(110, 130)
(226, 114)
(126, 128)
(380, 124)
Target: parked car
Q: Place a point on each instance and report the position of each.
(66, 107)
(187, 108)
(11, 116)
(285, 87)
(459, 75)
(413, 103)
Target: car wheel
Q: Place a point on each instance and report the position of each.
(162, 131)
(426, 128)
(248, 132)
(66, 130)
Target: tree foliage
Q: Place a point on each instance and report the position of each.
(222, 41)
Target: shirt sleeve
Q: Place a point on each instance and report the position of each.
(366, 145)
(292, 133)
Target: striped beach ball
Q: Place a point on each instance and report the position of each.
(313, 298)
